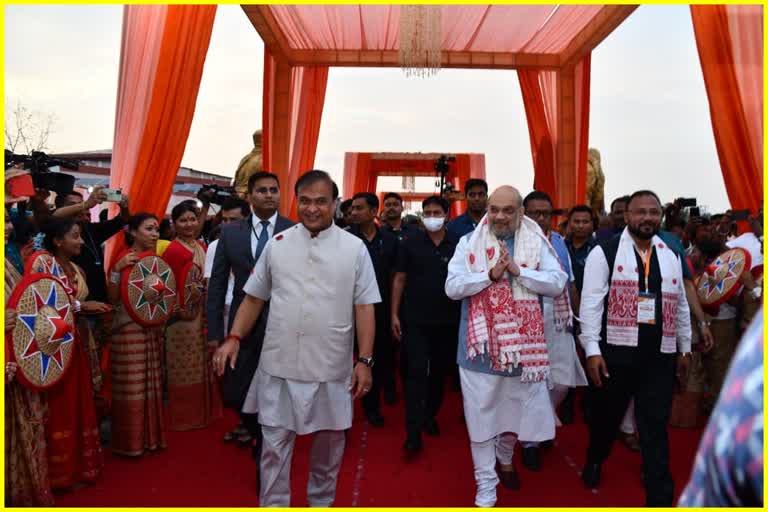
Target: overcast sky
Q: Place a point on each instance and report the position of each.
(649, 112)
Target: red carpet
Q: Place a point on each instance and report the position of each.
(198, 469)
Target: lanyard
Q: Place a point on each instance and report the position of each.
(647, 266)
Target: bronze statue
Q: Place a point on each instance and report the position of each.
(595, 183)
(249, 165)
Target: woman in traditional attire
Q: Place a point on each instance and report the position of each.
(26, 466)
(138, 423)
(74, 448)
(193, 396)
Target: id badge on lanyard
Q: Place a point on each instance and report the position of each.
(646, 302)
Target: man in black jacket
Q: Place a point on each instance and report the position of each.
(240, 245)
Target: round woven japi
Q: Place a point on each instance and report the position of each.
(41, 342)
(148, 290)
(192, 290)
(720, 280)
(43, 262)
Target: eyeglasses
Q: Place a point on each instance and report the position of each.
(539, 213)
(646, 213)
(264, 190)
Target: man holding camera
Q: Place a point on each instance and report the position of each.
(94, 234)
(238, 250)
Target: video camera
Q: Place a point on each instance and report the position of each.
(39, 164)
(220, 194)
(441, 168)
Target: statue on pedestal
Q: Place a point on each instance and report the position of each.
(595, 196)
(249, 165)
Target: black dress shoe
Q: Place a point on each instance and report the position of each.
(375, 419)
(412, 446)
(590, 475)
(431, 428)
(509, 479)
(531, 458)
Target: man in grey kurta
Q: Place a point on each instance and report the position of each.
(321, 284)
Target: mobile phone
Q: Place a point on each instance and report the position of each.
(114, 195)
(738, 215)
(686, 202)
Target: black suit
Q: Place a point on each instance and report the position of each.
(233, 254)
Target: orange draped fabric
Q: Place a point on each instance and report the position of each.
(545, 97)
(544, 29)
(357, 174)
(730, 43)
(581, 93)
(305, 111)
(161, 63)
(540, 128)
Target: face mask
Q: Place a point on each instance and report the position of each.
(433, 223)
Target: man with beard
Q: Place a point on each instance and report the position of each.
(392, 216)
(500, 272)
(636, 333)
(476, 191)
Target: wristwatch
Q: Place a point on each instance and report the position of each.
(367, 361)
(703, 323)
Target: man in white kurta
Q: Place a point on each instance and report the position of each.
(565, 369)
(498, 406)
(316, 279)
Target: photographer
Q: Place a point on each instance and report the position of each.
(91, 259)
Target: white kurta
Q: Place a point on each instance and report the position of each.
(564, 364)
(493, 403)
(302, 383)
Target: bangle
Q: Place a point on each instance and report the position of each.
(234, 337)
(114, 277)
(703, 323)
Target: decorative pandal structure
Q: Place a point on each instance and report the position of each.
(363, 170)
(549, 45)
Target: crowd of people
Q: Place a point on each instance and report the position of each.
(526, 316)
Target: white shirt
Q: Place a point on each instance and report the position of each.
(257, 229)
(596, 287)
(313, 284)
(208, 271)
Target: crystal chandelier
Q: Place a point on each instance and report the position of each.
(420, 39)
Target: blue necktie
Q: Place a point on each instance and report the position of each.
(262, 240)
